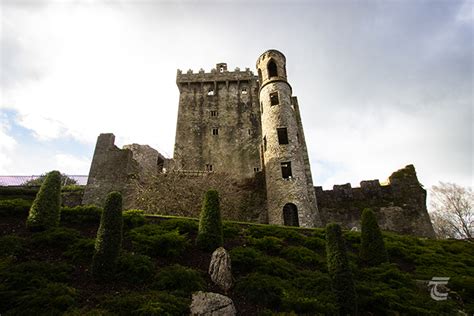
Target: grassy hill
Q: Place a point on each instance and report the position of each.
(277, 270)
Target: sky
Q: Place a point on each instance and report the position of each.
(380, 84)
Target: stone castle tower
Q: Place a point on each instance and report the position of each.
(290, 194)
(237, 123)
(218, 128)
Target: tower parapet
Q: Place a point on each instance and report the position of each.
(219, 74)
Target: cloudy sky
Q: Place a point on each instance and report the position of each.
(381, 84)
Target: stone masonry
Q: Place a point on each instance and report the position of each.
(249, 127)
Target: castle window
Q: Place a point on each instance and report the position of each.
(274, 98)
(249, 131)
(244, 90)
(290, 215)
(282, 136)
(213, 113)
(256, 169)
(160, 163)
(272, 69)
(210, 92)
(215, 131)
(261, 107)
(259, 75)
(265, 143)
(286, 170)
(208, 167)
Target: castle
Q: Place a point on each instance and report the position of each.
(246, 126)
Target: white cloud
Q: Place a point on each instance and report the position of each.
(74, 165)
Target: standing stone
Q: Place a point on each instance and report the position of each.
(211, 304)
(220, 269)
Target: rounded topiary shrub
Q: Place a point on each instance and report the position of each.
(109, 239)
(372, 247)
(44, 212)
(339, 270)
(210, 234)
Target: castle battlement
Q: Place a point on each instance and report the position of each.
(218, 74)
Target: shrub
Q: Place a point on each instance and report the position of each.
(300, 255)
(81, 214)
(245, 259)
(339, 270)
(81, 251)
(179, 279)
(153, 241)
(269, 244)
(230, 230)
(210, 234)
(14, 207)
(11, 245)
(148, 304)
(134, 268)
(109, 239)
(133, 218)
(20, 279)
(49, 299)
(59, 237)
(44, 212)
(290, 235)
(184, 226)
(261, 289)
(315, 243)
(372, 248)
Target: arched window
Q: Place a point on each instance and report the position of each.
(260, 75)
(290, 215)
(272, 69)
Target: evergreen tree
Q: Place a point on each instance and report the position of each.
(109, 239)
(339, 271)
(45, 210)
(210, 234)
(372, 247)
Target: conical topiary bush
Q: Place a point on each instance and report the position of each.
(210, 225)
(45, 210)
(339, 271)
(372, 247)
(109, 239)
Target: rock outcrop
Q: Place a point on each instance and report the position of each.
(211, 304)
(220, 269)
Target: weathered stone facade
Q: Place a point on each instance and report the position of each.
(236, 125)
(400, 205)
(218, 126)
(288, 174)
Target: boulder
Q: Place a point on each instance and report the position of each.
(211, 304)
(220, 269)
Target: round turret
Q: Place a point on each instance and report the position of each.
(288, 197)
(271, 67)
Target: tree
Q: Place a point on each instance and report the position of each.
(372, 247)
(210, 234)
(45, 210)
(452, 210)
(65, 180)
(109, 239)
(339, 271)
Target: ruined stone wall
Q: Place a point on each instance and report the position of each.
(400, 206)
(218, 127)
(113, 169)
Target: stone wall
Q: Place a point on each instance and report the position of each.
(218, 126)
(400, 205)
(113, 169)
